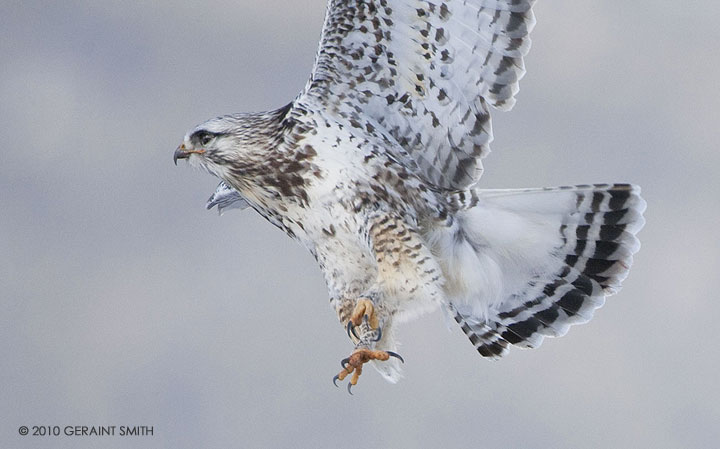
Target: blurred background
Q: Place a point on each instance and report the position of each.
(124, 302)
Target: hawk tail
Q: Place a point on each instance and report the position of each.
(547, 258)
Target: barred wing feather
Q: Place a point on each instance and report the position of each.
(422, 74)
(226, 198)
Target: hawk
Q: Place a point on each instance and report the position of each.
(374, 169)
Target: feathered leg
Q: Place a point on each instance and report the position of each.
(409, 282)
(365, 329)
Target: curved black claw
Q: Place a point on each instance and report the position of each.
(396, 355)
(344, 363)
(335, 379)
(351, 329)
(379, 334)
(350, 389)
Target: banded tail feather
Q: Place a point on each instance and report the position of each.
(568, 273)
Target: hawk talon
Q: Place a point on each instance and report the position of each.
(353, 365)
(351, 329)
(363, 315)
(396, 355)
(379, 334)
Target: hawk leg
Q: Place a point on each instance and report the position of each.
(364, 313)
(364, 318)
(353, 364)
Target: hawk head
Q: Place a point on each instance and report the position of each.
(232, 144)
(213, 145)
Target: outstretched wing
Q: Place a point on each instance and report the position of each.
(226, 198)
(423, 73)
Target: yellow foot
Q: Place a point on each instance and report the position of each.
(363, 308)
(364, 311)
(353, 364)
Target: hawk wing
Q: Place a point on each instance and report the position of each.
(226, 198)
(423, 73)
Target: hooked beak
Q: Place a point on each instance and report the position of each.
(182, 153)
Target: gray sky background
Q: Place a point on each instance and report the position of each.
(124, 302)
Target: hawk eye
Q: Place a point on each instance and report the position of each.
(204, 137)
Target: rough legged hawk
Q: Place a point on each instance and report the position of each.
(374, 166)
